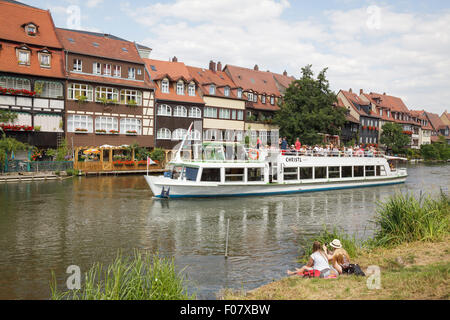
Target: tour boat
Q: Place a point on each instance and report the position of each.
(230, 169)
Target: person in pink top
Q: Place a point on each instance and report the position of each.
(298, 145)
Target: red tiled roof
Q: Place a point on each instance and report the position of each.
(283, 80)
(9, 62)
(249, 79)
(355, 99)
(108, 46)
(420, 114)
(393, 103)
(12, 18)
(174, 71)
(434, 119)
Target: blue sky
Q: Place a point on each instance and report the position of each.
(398, 47)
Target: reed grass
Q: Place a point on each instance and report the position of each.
(404, 218)
(140, 277)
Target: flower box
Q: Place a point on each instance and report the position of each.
(113, 132)
(17, 92)
(129, 163)
(131, 132)
(11, 127)
(100, 131)
(81, 130)
(142, 163)
(118, 163)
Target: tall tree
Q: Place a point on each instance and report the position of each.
(308, 109)
(393, 137)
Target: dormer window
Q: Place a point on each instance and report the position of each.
(23, 55)
(250, 96)
(255, 98)
(263, 99)
(180, 88)
(96, 68)
(226, 91)
(272, 100)
(191, 89)
(239, 93)
(31, 29)
(131, 73)
(77, 65)
(44, 59)
(212, 89)
(165, 86)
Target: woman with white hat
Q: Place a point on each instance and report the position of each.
(339, 257)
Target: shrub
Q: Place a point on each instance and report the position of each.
(158, 154)
(404, 218)
(138, 278)
(72, 172)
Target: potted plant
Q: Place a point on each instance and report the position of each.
(131, 103)
(81, 99)
(81, 130)
(100, 131)
(37, 128)
(131, 132)
(113, 132)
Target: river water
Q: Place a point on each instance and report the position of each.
(47, 226)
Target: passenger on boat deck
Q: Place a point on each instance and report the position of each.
(284, 144)
(298, 144)
(258, 143)
(340, 260)
(317, 261)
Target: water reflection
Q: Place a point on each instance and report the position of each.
(50, 225)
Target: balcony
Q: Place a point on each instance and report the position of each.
(17, 102)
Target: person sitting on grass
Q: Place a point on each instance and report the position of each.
(317, 261)
(340, 260)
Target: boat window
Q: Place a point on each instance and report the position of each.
(306, 173)
(254, 174)
(370, 171)
(234, 174)
(211, 174)
(290, 173)
(358, 171)
(381, 171)
(347, 172)
(176, 172)
(191, 174)
(333, 172)
(320, 172)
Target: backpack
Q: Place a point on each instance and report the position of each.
(354, 269)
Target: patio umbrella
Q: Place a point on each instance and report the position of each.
(91, 151)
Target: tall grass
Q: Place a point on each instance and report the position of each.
(350, 244)
(403, 218)
(137, 278)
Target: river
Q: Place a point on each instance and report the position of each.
(50, 225)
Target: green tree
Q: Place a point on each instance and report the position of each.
(393, 137)
(308, 109)
(9, 145)
(7, 116)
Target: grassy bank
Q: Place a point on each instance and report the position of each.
(411, 247)
(138, 278)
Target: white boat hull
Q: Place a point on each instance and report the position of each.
(183, 189)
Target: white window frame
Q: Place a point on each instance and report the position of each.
(164, 110)
(51, 89)
(163, 134)
(209, 111)
(97, 68)
(15, 83)
(23, 60)
(212, 89)
(127, 95)
(272, 100)
(42, 57)
(165, 86)
(226, 91)
(77, 65)
(255, 97)
(263, 99)
(180, 111)
(131, 73)
(81, 89)
(191, 89)
(76, 121)
(195, 112)
(250, 96)
(240, 115)
(106, 123)
(117, 71)
(195, 135)
(180, 88)
(178, 134)
(106, 92)
(130, 124)
(224, 113)
(107, 69)
(239, 93)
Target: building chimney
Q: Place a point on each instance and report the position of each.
(174, 59)
(219, 66)
(212, 66)
(285, 73)
(361, 91)
(256, 67)
(350, 90)
(384, 93)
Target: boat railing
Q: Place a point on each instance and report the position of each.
(333, 153)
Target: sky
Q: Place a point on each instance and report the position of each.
(400, 47)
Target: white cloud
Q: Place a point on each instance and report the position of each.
(403, 54)
(93, 3)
